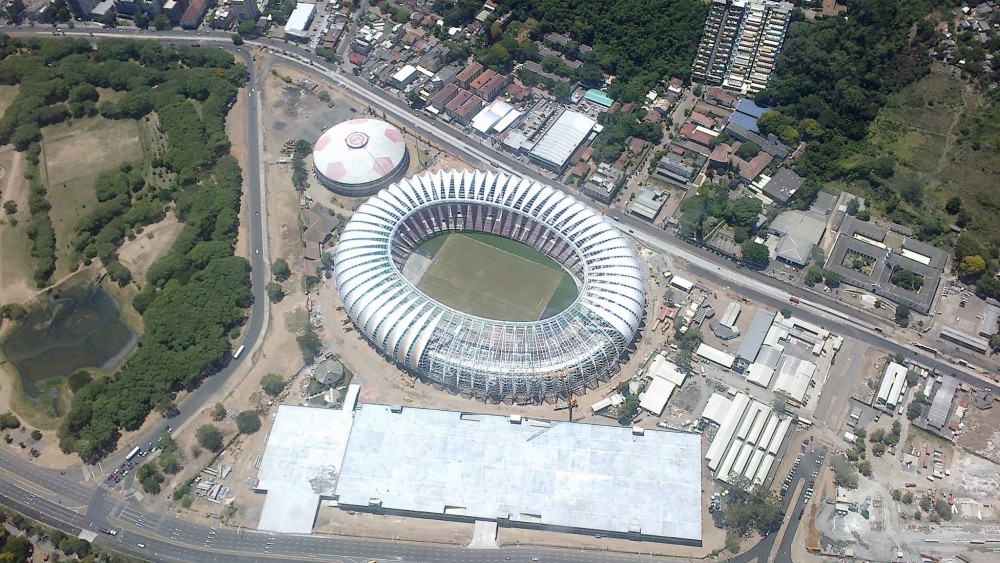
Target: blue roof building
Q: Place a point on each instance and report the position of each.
(598, 97)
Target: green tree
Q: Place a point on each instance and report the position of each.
(36, 435)
(248, 422)
(161, 22)
(237, 39)
(995, 342)
(10, 207)
(903, 315)
(273, 384)
(169, 462)
(752, 508)
(943, 509)
(748, 150)
(247, 28)
(109, 18)
(274, 292)
(218, 412)
(9, 421)
(954, 205)
(865, 468)
(833, 279)
(813, 276)
(309, 344)
(280, 269)
(755, 254)
(972, 265)
(743, 212)
(209, 437)
(119, 273)
(907, 498)
(844, 473)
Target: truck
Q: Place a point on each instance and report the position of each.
(850, 437)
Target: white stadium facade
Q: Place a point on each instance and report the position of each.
(575, 348)
(359, 157)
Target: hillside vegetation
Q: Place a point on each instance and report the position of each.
(918, 139)
(638, 42)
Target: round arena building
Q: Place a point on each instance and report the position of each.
(492, 285)
(357, 158)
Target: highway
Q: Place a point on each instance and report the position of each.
(65, 503)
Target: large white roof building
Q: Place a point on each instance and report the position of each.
(359, 157)
(559, 143)
(572, 348)
(526, 472)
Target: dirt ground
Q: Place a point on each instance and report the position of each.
(155, 240)
(16, 265)
(982, 432)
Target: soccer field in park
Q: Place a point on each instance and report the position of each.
(493, 277)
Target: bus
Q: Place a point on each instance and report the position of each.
(133, 453)
(238, 352)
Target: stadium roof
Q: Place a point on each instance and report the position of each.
(488, 467)
(568, 132)
(599, 97)
(491, 116)
(937, 417)
(717, 408)
(581, 343)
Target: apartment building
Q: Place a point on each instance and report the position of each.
(741, 44)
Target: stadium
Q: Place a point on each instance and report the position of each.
(357, 158)
(494, 286)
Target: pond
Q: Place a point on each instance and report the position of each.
(81, 328)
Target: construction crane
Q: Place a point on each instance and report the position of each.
(570, 402)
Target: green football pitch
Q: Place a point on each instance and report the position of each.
(493, 277)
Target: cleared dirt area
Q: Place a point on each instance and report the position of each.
(16, 264)
(139, 254)
(982, 432)
(7, 95)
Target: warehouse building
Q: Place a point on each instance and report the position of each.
(891, 389)
(524, 473)
(664, 379)
(558, 144)
(750, 437)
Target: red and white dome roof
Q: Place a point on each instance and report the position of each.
(359, 151)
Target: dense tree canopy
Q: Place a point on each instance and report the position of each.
(640, 43)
